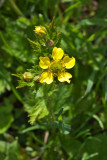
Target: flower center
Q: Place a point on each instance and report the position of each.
(56, 67)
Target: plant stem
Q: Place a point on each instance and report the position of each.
(51, 110)
(16, 9)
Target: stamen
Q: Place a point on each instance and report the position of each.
(56, 67)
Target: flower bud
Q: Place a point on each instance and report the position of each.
(37, 78)
(50, 43)
(39, 30)
(27, 76)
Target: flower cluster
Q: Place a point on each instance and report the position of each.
(51, 68)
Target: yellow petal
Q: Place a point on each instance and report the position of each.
(68, 62)
(64, 76)
(46, 77)
(44, 62)
(57, 53)
(39, 30)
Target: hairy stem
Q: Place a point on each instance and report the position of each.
(51, 110)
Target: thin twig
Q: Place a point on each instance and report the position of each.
(45, 142)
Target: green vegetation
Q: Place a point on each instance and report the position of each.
(57, 121)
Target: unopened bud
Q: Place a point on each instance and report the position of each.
(27, 76)
(36, 78)
(39, 30)
(50, 43)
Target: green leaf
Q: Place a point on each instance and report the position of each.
(3, 82)
(36, 46)
(75, 5)
(70, 145)
(3, 147)
(38, 111)
(35, 127)
(6, 118)
(106, 89)
(86, 156)
(60, 112)
(94, 21)
(90, 83)
(96, 147)
(98, 120)
(56, 124)
(4, 76)
(13, 151)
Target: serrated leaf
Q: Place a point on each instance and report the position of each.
(60, 112)
(59, 125)
(35, 45)
(58, 39)
(38, 111)
(24, 84)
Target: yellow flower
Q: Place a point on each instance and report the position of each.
(56, 67)
(40, 30)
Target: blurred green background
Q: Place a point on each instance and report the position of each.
(83, 133)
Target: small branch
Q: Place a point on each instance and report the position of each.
(46, 137)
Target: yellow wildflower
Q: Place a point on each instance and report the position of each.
(40, 30)
(56, 67)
